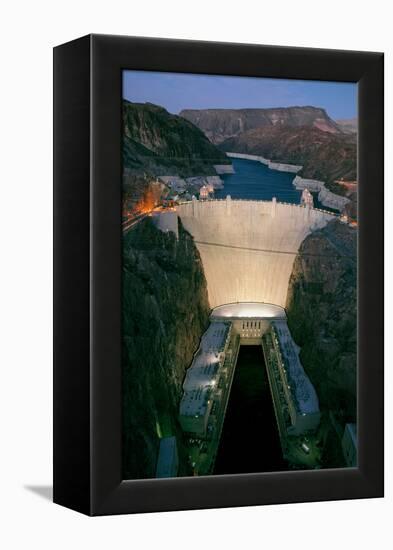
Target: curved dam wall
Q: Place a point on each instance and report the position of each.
(248, 247)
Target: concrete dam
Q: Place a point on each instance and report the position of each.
(248, 247)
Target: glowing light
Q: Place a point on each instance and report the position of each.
(158, 429)
(249, 310)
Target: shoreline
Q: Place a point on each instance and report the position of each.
(325, 196)
(279, 166)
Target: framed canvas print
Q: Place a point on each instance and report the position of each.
(218, 275)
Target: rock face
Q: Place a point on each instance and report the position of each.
(158, 142)
(221, 124)
(141, 193)
(165, 311)
(326, 197)
(324, 156)
(224, 169)
(322, 309)
(332, 200)
(348, 125)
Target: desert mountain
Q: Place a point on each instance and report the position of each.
(324, 156)
(158, 142)
(348, 125)
(221, 124)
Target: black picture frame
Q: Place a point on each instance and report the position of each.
(87, 275)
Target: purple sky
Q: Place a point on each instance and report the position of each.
(177, 91)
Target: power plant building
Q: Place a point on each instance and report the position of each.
(202, 382)
(294, 396)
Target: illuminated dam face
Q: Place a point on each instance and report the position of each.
(248, 247)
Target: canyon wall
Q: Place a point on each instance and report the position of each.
(323, 156)
(158, 142)
(221, 124)
(325, 196)
(165, 311)
(322, 316)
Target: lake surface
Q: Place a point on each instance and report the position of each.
(255, 181)
(250, 441)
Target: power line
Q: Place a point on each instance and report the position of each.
(272, 251)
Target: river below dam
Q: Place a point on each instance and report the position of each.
(254, 181)
(250, 441)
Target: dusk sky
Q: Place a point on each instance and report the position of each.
(191, 91)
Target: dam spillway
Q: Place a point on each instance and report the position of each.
(248, 248)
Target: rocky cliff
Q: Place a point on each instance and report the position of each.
(221, 124)
(325, 197)
(157, 142)
(324, 156)
(322, 309)
(165, 311)
(348, 125)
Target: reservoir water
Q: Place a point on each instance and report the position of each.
(254, 181)
(250, 442)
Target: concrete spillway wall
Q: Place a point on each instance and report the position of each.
(248, 247)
